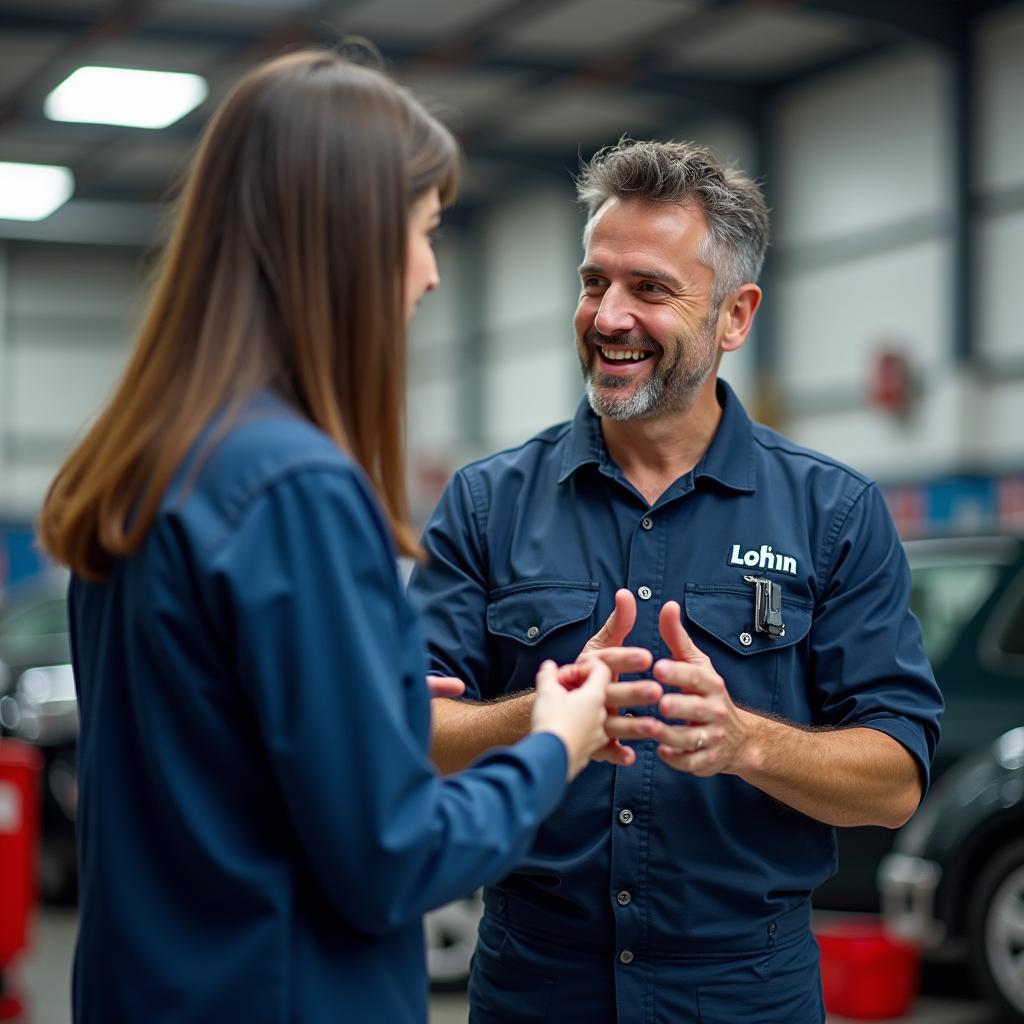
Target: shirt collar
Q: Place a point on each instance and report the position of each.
(729, 459)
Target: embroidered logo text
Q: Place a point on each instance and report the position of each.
(763, 558)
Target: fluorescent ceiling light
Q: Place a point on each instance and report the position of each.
(33, 191)
(126, 96)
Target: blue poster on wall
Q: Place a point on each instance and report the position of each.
(19, 556)
(958, 504)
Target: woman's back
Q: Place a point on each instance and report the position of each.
(260, 826)
(187, 847)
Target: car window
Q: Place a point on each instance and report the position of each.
(944, 597)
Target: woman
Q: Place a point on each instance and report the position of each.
(259, 826)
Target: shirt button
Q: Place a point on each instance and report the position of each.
(626, 956)
(746, 639)
(623, 898)
(625, 816)
(644, 593)
(647, 523)
(532, 633)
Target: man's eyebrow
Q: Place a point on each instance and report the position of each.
(657, 275)
(650, 273)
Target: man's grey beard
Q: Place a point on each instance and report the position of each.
(672, 388)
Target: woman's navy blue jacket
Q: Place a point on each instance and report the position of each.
(260, 829)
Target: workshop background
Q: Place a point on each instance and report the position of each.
(888, 134)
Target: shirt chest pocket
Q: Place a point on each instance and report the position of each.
(762, 672)
(531, 621)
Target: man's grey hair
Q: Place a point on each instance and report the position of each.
(682, 172)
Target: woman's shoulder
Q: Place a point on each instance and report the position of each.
(267, 438)
(264, 446)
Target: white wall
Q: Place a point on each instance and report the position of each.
(999, 226)
(67, 315)
(863, 222)
(864, 258)
(492, 356)
(862, 148)
(436, 361)
(531, 250)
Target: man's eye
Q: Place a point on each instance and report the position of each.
(592, 282)
(650, 286)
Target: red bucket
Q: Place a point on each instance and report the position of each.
(866, 973)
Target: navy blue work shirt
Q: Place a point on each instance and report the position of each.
(526, 550)
(259, 826)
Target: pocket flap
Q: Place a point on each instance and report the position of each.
(727, 613)
(530, 612)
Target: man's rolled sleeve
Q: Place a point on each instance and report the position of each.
(869, 661)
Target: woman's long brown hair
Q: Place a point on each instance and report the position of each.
(285, 269)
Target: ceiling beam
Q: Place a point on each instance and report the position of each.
(942, 22)
(636, 68)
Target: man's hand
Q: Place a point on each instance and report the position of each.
(845, 777)
(606, 646)
(445, 686)
(715, 731)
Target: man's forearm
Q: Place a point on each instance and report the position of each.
(844, 777)
(463, 730)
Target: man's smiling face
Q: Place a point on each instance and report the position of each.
(646, 333)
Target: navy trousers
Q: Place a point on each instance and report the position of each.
(520, 980)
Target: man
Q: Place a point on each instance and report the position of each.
(769, 585)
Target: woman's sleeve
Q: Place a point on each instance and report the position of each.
(315, 615)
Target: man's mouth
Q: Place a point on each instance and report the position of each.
(623, 355)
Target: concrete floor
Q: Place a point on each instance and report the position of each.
(44, 977)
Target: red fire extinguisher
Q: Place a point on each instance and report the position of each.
(20, 768)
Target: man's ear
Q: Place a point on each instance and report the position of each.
(736, 316)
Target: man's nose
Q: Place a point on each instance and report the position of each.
(614, 315)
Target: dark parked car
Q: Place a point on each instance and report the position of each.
(968, 593)
(37, 704)
(955, 879)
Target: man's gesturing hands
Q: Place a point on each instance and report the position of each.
(704, 732)
(712, 729)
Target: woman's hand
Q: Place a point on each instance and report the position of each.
(445, 686)
(607, 645)
(571, 703)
